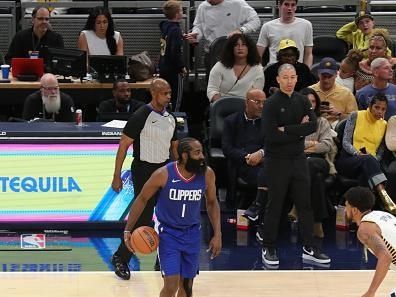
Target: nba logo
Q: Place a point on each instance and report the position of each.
(32, 241)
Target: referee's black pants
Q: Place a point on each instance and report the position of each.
(141, 172)
(287, 176)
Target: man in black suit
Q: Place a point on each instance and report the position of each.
(120, 103)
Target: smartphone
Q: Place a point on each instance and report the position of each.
(363, 150)
(325, 103)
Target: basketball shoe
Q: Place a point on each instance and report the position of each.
(121, 268)
(315, 254)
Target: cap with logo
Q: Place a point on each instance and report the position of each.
(328, 65)
(363, 14)
(286, 43)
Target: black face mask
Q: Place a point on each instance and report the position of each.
(195, 166)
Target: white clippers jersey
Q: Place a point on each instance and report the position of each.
(387, 224)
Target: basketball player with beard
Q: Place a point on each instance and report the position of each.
(49, 103)
(377, 232)
(180, 186)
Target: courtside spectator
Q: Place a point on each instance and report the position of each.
(363, 149)
(287, 53)
(216, 18)
(171, 64)
(379, 42)
(240, 142)
(238, 70)
(341, 101)
(287, 26)
(348, 67)
(382, 75)
(357, 33)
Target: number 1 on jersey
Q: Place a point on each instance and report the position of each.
(183, 210)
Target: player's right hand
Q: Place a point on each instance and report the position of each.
(127, 241)
(116, 184)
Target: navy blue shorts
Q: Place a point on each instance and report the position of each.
(178, 250)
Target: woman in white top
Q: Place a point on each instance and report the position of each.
(238, 70)
(98, 36)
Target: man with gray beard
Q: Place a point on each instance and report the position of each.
(49, 103)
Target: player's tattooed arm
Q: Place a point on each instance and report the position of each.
(369, 235)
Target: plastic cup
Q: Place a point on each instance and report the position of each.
(5, 71)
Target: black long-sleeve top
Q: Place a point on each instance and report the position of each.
(280, 110)
(240, 137)
(25, 41)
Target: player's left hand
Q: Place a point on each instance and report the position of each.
(214, 246)
(368, 294)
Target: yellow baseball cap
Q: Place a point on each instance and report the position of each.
(286, 43)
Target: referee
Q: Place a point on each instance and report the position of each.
(152, 131)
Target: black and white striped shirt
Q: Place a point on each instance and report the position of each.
(152, 133)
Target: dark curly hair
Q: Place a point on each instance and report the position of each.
(90, 25)
(353, 58)
(360, 197)
(227, 56)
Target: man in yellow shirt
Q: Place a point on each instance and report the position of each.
(340, 101)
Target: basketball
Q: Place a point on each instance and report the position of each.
(144, 240)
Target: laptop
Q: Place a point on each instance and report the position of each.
(27, 69)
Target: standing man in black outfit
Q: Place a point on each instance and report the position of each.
(286, 119)
(32, 40)
(152, 131)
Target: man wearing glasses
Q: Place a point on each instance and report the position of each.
(49, 103)
(241, 143)
(29, 42)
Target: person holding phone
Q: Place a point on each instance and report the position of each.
(363, 149)
(340, 100)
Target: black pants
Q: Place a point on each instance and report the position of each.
(287, 176)
(141, 172)
(318, 171)
(366, 168)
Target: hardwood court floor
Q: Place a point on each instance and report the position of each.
(207, 284)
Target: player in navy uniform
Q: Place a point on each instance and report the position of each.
(180, 185)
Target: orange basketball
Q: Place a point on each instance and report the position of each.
(144, 240)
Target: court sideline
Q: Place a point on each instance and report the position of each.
(341, 283)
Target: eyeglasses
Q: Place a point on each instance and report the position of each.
(42, 19)
(51, 89)
(257, 102)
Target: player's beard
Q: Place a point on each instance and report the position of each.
(196, 166)
(52, 103)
